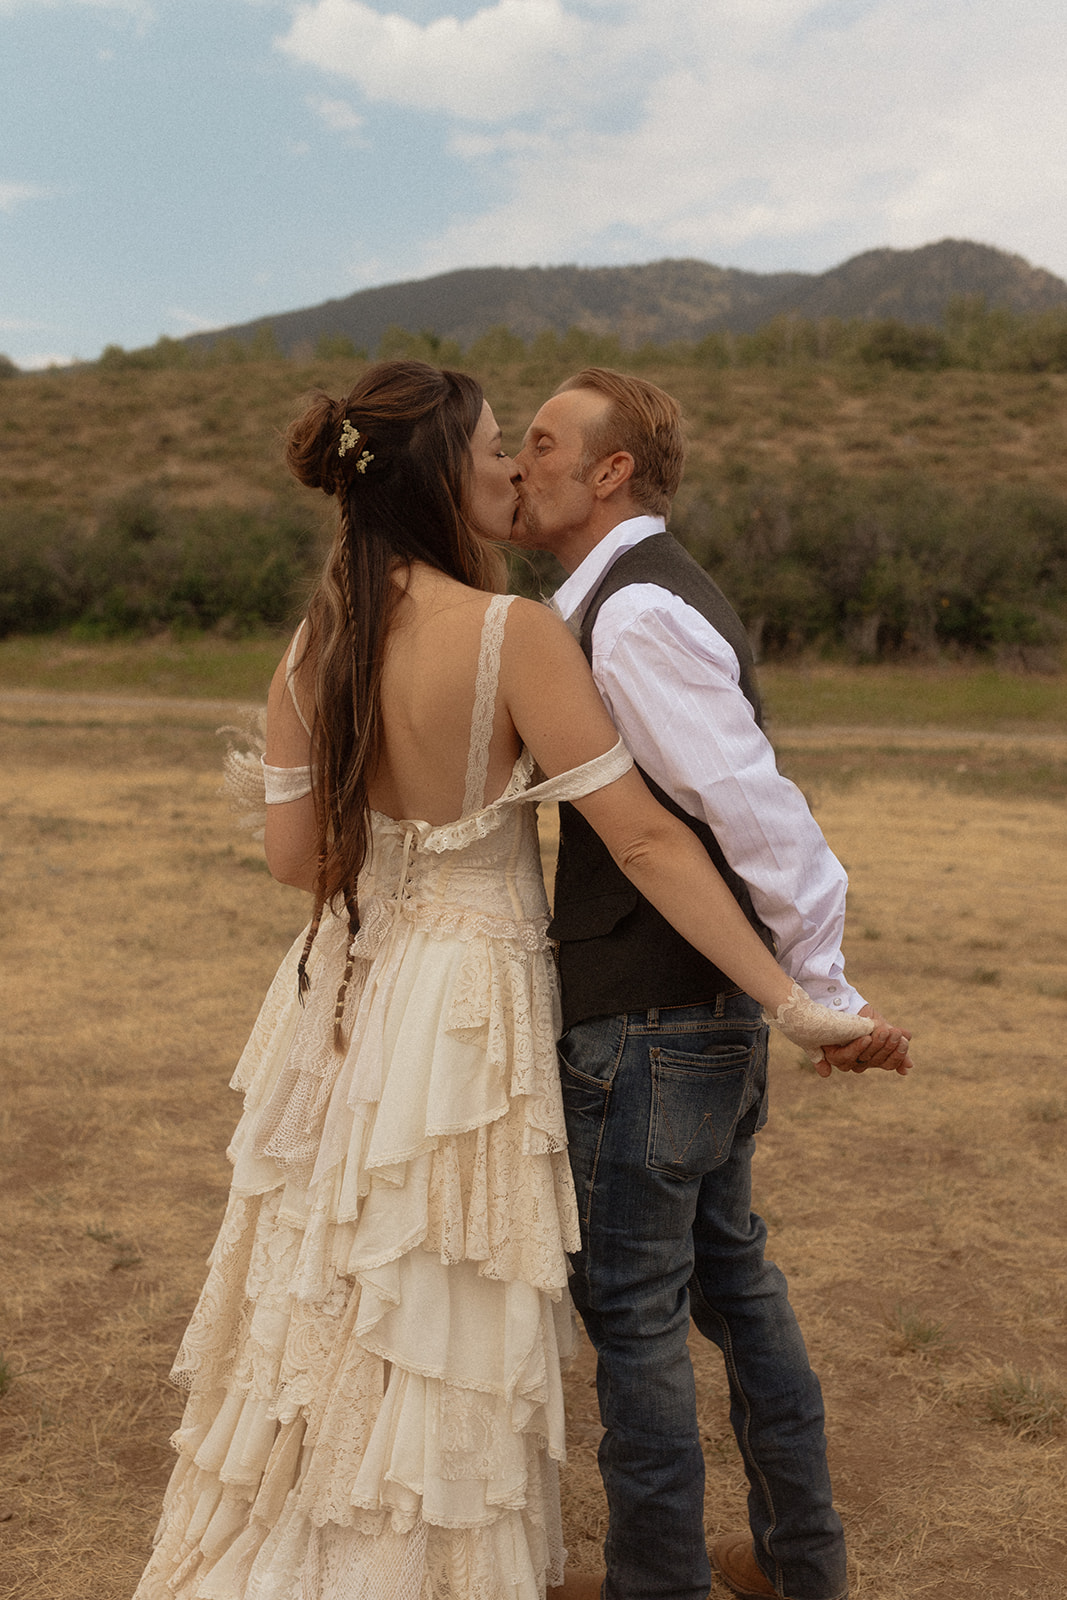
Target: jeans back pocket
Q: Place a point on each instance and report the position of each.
(697, 1101)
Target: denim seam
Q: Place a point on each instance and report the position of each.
(737, 1388)
(585, 1214)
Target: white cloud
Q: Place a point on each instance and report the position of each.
(791, 129)
(759, 132)
(14, 194)
(493, 66)
(337, 114)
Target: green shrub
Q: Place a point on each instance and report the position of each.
(994, 339)
(883, 566)
(397, 343)
(499, 347)
(152, 358)
(900, 344)
(147, 565)
(973, 336)
(337, 347)
(36, 583)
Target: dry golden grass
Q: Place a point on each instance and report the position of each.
(211, 435)
(920, 1221)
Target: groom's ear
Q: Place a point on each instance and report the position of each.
(612, 473)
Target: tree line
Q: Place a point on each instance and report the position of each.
(974, 336)
(146, 565)
(873, 568)
(888, 566)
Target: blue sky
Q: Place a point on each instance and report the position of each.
(172, 165)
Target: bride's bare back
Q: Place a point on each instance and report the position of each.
(428, 686)
(546, 700)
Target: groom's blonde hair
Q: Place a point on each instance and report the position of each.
(644, 421)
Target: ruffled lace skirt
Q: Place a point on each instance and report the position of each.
(374, 1363)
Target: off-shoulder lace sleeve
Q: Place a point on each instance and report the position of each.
(242, 768)
(587, 778)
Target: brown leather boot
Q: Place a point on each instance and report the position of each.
(734, 1560)
(576, 1586)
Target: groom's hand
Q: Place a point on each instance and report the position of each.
(886, 1048)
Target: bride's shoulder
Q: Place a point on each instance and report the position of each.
(535, 617)
(532, 625)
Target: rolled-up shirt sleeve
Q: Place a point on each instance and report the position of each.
(672, 685)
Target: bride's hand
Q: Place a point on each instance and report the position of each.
(848, 1041)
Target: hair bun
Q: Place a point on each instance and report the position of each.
(311, 443)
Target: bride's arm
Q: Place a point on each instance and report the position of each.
(559, 715)
(666, 861)
(290, 835)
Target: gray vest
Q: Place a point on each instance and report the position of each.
(616, 953)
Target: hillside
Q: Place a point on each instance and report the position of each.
(664, 301)
(884, 511)
(74, 441)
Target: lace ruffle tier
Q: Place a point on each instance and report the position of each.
(374, 1360)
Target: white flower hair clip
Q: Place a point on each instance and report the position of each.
(350, 441)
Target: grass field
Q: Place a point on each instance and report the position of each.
(920, 1221)
(797, 695)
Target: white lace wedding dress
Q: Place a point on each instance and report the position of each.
(374, 1363)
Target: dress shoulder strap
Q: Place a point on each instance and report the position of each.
(485, 701)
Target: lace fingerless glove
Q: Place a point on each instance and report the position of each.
(811, 1026)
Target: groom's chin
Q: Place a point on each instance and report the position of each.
(521, 533)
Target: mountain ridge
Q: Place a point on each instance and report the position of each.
(663, 301)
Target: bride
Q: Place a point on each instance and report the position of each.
(375, 1409)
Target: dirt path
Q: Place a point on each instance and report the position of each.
(63, 703)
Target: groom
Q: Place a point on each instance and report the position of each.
(663, 1060)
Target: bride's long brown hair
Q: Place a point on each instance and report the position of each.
(395, 451)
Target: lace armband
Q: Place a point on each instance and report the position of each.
(285, 783)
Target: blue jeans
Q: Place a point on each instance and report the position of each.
(662, 1110)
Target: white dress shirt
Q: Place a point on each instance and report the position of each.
(672, 685)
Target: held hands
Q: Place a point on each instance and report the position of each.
(886, 1047)
(841, 1039)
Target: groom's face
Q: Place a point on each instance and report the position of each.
(555, 504)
